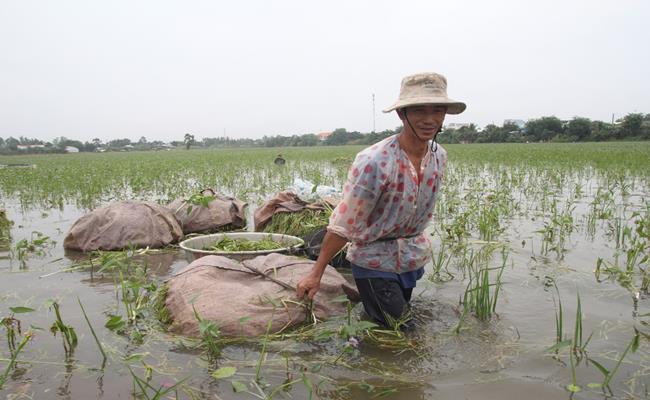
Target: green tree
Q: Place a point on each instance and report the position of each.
(119, 143)
(543, 129)
(631, 126)
(11, 143)
(578, 129)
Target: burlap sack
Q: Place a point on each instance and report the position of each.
(282, 202)
(124, 224)
(222, 213)
(224, 291)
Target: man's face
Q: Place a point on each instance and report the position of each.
(425, 119)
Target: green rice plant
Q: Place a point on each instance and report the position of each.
(158, 305)
(607, 374)
(37, 245)
(614, 272)
(573, 387)
(440, 260)
(559, 319)
(92, 331)
(619, 231)
(14, 355)
(13, 330)
(577, 344)
(482, 291)
(146, 391)
(12, 326)
(557, 230)
(488, 222)
(5, 231)
(68, 334)
(603, 205)
(262, 356)
(579, 347)
(460, 227)
(210, 336)
(632, 276)
(490, 212)
(135, 292)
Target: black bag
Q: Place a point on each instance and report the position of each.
(313, 241)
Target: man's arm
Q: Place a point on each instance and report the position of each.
(332, 244)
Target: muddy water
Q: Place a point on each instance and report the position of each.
(502, 358)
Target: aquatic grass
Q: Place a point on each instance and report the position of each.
(609, 375)
(5, 231)
(147, 391)
(577, 344)
(557, 230)
(482, 290)
(68, 334)
(158, 305)
(210, 336)
(14, 356)
(440, 261)
(92, 331)
(37, 245)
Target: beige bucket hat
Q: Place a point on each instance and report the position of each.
(426, 88)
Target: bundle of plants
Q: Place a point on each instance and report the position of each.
(230, 244)
(298, 223)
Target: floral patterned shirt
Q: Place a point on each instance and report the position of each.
(385, 198)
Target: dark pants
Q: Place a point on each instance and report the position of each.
(385, 301)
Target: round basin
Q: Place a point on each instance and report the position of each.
(194, 247)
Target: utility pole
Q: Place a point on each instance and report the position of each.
(373, 113)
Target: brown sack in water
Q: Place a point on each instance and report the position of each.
(120, 225)
(283, 202)
(222, 213)
(242, 302)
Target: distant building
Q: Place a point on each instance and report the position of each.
(30, 146)
(519, 122)
(324, 135)
(457, 125)
(71, 149)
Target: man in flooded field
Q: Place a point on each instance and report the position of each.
(388, 200)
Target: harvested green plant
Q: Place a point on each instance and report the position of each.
(230, 244)
(298, 223)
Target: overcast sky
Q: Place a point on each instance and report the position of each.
(116, 69)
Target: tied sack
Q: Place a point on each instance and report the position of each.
(241, 302)
(122, 225)
(223, 213)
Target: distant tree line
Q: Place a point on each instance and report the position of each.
(24, 145)
(634, 126)
(552, 129)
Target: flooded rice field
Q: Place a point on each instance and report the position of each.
(539, 284)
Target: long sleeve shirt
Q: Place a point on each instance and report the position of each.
(385, 198)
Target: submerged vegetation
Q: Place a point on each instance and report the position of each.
(515, 226)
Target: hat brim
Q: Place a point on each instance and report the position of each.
(453, 106)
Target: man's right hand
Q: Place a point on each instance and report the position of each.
(309, 286)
